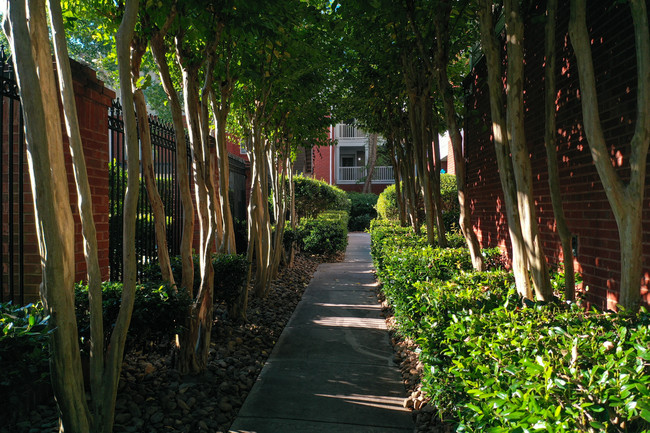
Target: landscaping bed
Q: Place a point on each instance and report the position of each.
(154, 397)
(478, 358)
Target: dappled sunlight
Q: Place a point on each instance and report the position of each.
(377, 401)
(351, 322)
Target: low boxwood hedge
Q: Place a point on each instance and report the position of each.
(496, 364)
(325, 234)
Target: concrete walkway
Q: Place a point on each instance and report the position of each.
(332, 368)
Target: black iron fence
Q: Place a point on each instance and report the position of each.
(163, 143)
(12, 186)
(19, 255)
(163, 146)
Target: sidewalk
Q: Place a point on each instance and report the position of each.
(332, 368)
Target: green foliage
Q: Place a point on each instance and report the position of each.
(326, 234)
(315, 196)
(230, 272)
(550, 369)
(491, 365)
(24, 357)
(159, 311)
(455, 238)
(450, 205)
(387, 204)
(362, 210)
(449, 193)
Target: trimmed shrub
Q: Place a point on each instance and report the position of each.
(315, 196)
(327, 234)
(159, 311)
(229, 276)
(491, 365)
(362, 210)
(550, 369)
(387, 204)
(449, 193)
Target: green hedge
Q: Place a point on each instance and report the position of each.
(326, 234)
(362, 210)
(230, 272)
(315, 196)
(491, 364)
(387, 204)
(159, 311)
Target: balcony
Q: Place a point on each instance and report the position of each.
(381, 174)
(348, 132)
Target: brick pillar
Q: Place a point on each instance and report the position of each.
(93, 101)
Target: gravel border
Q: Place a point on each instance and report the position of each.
(153, 397)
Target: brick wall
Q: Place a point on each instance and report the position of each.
(451, 162)
(321, 163)
(93, 100)
(588, 213)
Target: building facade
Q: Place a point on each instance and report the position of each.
(346, 163)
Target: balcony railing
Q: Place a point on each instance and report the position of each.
(348, 131)
(381, 174)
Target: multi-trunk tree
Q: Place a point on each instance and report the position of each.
(550, 144)
(624, 196)
(26, 27)
(511, 148)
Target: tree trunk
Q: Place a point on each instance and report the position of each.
(262, 275)
(551, 154)
(159, 51)
(626, 200)
(408, 184)
(278, 167)
(195, 343)
(420, 137)
(160, 220)
(84, 203)
(502, 148)
(55, 227)
(372, 160)
(294, 216)
(192, 108)
(434, 163)
(451, 118)
(398, 189)
(220, 111)
(519, 151)
(115, 350)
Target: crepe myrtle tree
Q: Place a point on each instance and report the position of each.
(25, 25)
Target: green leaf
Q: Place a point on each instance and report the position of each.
(143, 82)
(645, 414)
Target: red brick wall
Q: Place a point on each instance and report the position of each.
(93, 100)
(322, 162)
(233, 148)
(451, 162)
(587, 210)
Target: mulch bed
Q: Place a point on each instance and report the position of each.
(153, 397)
